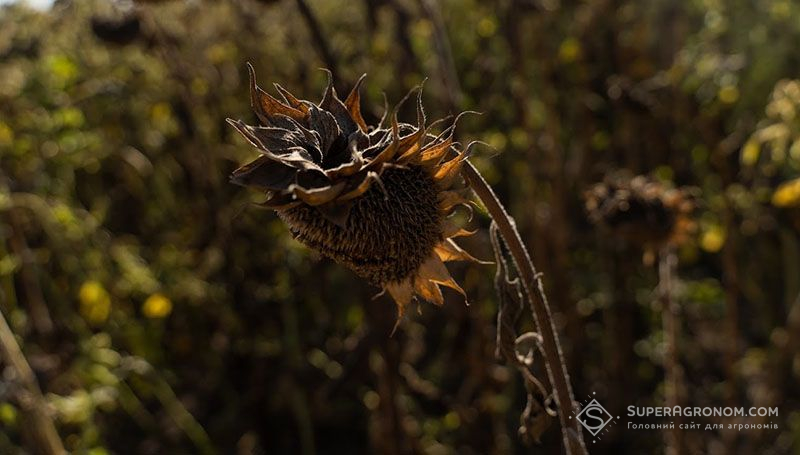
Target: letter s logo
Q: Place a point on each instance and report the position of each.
(594, 417)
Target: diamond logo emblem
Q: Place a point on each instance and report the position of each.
(594, 417)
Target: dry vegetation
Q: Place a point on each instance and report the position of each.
(152, 308)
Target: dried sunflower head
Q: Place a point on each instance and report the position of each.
(120, 30)
(376, 199)
(642, 210)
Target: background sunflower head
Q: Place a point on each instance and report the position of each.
(642, 210)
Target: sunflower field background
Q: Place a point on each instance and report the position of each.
(160, 311)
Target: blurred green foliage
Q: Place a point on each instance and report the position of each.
(163, 313)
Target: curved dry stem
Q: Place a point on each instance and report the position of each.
(39, 427)
(534, 291)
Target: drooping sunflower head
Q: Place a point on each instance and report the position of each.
(374, 198)
(642, 210)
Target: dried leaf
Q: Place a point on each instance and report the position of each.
(353, 104)
(433, 269)
(266, 106)
(449, 251)
(318, 196)
(429, 291)
(290, 99)
(264, 173)
(434, 154)
(402, 293)
(331, 103)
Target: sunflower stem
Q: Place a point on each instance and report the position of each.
(673, 371)
(537, 299)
